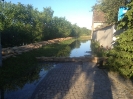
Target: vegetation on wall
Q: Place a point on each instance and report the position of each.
(22, 24)
(98, 50)
(110, 8)
(121, 56)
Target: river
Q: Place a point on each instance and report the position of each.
(82, 50)
(78, 49)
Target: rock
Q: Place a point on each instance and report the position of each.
(51, 41)
(8, 52)
(15, 48)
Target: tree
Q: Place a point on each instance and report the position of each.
(110, 8)
(121, 56)
(85, 31)
(22, 24)
(76, 32)
(63, 26)
(46, 17)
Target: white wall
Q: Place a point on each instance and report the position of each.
(96, 25)
(104, 36)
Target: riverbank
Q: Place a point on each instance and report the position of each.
(17, 50)
(29, 57)
(84, 38)
(59, 49)
(25, 68)
(22, 68)
(48, 50)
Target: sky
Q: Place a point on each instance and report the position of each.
(76, 11)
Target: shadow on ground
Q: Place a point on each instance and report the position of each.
(74, 81)
(102, 85)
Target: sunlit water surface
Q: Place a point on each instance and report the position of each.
(82, 50)
(79, 48)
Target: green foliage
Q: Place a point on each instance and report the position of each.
(121, 56)
(127, 21)
(110, 8)
(75, 31)
(75, 44)
(85, 32)
(98, 50)
(22, 69)
(22, 24)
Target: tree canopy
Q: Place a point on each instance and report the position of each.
(22, 24)
(110, 8)
(121, 56)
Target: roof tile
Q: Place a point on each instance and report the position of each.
(98, 16)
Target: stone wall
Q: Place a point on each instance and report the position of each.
(13, 51)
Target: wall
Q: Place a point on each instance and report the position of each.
(97, 25)
(104, 36)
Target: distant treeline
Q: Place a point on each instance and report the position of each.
(23, 24)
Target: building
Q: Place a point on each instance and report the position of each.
(102, 32)
(98, 20)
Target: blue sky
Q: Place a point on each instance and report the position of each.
(75, 11)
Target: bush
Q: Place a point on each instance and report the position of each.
(98, 50)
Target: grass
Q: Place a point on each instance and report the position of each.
(16, 71)
(84, 38)
(28, 58)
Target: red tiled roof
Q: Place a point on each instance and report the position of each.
(98, 16)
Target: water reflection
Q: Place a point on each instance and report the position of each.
(75, 49)
(64, 52)
(75, 44)
(20, 85)
(17, 82)
(82, 49)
